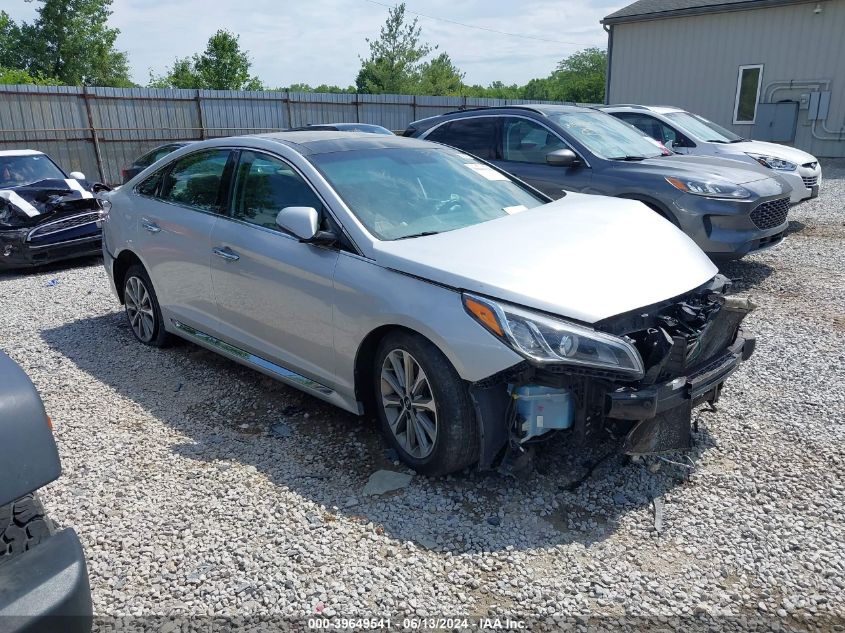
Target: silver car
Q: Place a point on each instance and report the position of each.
(410, 281)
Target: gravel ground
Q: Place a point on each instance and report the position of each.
(187, 502)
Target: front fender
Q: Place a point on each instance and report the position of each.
(28, 453)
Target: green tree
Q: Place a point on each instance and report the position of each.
(224, 66)
(71, 40)
(440, 77)
(580, 77)
(221, 66)
(18, 76)
(11, 53)
(393, 65)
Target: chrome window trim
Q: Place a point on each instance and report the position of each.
(425, 134)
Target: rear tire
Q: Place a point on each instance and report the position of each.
(429, 420)
(142, 308)
(23, 525)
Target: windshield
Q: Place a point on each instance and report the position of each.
(398, 193)
(706, 130)
(16, 171)
(606, 136)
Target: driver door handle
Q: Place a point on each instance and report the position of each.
(150, 226)
(226, 253)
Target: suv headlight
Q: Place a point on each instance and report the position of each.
(545, 339)
(773, 163)
(709, 188)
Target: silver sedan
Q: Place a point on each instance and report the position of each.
(410, 281)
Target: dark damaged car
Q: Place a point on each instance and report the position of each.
(468, 312)
(45, 215)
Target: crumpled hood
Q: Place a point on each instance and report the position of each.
(792, 154)
(582, 257)
(36, 202)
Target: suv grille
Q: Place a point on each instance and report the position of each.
(65, 224)
(810, 181)
(770, 214)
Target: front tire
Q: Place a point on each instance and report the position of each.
(142, 309)
(23, 525)
(424, 407)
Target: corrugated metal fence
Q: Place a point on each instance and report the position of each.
(99, 130)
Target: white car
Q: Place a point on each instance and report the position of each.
(688, 133)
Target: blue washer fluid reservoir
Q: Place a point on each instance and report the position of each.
(541, 409)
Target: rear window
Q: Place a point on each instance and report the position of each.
(476, 136)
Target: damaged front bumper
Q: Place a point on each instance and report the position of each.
(690, 346)
(663, 412)
(17, 251)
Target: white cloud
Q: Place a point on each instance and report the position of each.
(319, 41)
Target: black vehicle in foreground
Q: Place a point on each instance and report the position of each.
(155, 154)
(45, 214)
(43, 575)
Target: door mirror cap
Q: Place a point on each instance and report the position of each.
(562, 158)
(76, 175)
(303, 222)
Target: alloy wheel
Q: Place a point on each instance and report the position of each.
(139, 308)
(408, 403)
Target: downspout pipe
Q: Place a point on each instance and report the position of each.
(609, 30)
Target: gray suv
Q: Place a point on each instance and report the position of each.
(727, 207)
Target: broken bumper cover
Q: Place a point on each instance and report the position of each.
(664, 411)
(46, 588)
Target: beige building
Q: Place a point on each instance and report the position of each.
(767, 69)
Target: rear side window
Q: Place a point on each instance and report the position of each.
(475, 136)
(196, 180)
(264, 186)
(525, 141)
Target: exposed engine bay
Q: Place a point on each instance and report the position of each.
(49, 220)
(689, 345)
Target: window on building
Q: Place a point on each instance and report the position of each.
(747, 93)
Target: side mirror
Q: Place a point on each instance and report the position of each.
(562, 158)
(304, 223)
(76, 175)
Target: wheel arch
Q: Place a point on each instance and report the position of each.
(125, 259)
(365, 357)
(653, 204)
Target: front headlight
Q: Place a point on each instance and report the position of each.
(709, 188)
(545, 339)
(773, 163)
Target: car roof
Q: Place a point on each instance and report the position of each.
(20, 152)
(618, 107)
(324, 141)
(543, 109)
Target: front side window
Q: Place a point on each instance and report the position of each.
(650, 126)
(196, 180)
(605, 136)
(264, 186)
(399, 193)
(476, 136)
(525, 141)
(747, 93)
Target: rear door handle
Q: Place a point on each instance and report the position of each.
(150, 226)
(226, 253)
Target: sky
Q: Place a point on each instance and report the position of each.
(320, 41)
